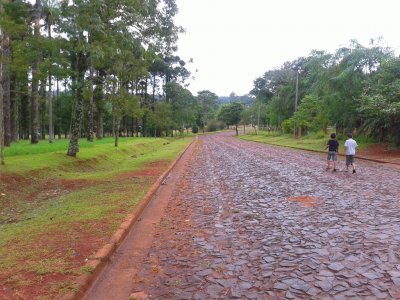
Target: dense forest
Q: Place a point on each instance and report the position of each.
(356, 88)
(73, 69)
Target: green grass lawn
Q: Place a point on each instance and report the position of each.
(313, 142)
(56, 211)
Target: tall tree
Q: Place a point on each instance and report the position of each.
(16, 20)
(182, 105)
(231, 114)
(98, 98)
(90, 124)
(6, 81)
(50, 11)
(77, 116)
(6, 59)
(35, 75)
(207, 102)
(380, 103)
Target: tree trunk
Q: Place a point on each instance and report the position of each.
(60, 109)
(6, 56)
(35, 104)
(14, 110)
(144, 125)
(42, 109)
(236, 128)
(1, 121)
(132, 127)
(1, 105)
(35, 80)
(98, 98)
(113, 120)
(77, 115)
(99, 129)
(154, 90)
(116, 134)
(50, 97)
(255, 129)
(50, 106)
(23, 89)
(90, 104)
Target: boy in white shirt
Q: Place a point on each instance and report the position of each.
(350, 145)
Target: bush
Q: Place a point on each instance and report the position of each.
(341, 137)
(211, 126)
(287, 126)
(214, 125)
(195, 129)
(320, 135)
(220, 125)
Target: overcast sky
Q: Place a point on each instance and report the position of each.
(232, 42)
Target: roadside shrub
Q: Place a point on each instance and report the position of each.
(220, 125)
(341, 136)
(287, 126)
(211, 126)
(195, 129)
(320, 135)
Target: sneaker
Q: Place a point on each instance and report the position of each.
(354, 171)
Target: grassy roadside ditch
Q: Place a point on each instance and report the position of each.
(56, 211)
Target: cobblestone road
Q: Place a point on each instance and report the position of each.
(251, 221)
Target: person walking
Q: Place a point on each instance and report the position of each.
(350, 146)
(333, 148)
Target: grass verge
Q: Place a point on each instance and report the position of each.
(56, 211)
(313, 142)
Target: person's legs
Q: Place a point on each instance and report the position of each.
(350, 161)
(334, 157)
(328, 161)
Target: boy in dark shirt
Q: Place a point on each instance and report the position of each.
(333, 149)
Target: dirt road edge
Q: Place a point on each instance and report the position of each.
(96, 264)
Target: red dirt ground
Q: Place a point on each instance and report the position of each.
(381, 152)
(139, 239)
(73, 247)
(307, 201)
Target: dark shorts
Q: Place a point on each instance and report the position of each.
(349, 160)
(332, 155)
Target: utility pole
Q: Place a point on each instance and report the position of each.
(258, 117)
(296, 99)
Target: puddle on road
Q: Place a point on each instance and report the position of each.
(307, 201)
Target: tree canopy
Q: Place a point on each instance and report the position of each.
(356, 87)
(231, 114)
(88, 68)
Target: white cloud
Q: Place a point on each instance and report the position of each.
(233, 42)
